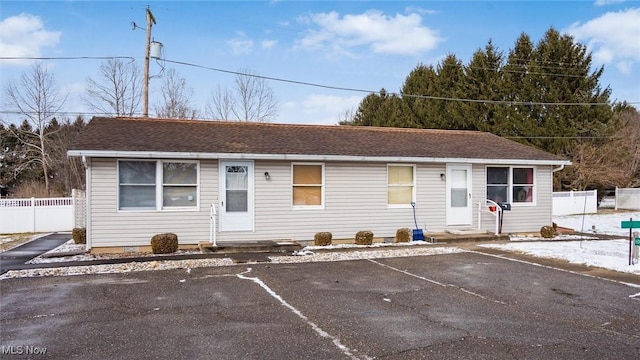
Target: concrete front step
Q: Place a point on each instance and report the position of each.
(227, 247)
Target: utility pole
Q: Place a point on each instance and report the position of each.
(145, 76)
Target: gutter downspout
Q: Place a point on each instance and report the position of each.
(558, 168)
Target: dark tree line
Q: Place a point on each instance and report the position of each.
(22, 172)
(545, 95)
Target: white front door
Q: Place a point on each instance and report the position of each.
(236, 196)
(459, 207)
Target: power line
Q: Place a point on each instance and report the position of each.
(498, 102)
(339, 88)
(67, 58)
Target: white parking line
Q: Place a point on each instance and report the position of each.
(552, 267)
(438, 283)
(345, 350)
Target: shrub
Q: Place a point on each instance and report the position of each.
(364, 237)
(547, 232)
(403, 235)
(164, 243)
(322, 239)
(79, 235)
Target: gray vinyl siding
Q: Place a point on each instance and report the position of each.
(355, 199)
(112, 227)
(522, 218)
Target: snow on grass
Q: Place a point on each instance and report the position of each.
(602, 223)
(609, 254)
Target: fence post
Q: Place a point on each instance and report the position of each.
(33, 214)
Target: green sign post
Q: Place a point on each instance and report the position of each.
(631, 225)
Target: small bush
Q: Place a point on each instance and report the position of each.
(547, 232)
(403, 235)
(364, 237)
(164, 243)
(322, 239)
(79, 235)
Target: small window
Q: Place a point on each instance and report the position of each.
(522, 185)
(308, 185)
(400, 184)
(510, 184)
(179, 184)
(137, 181)
(141, 183)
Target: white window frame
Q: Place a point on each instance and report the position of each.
(159, 187)
(413, 186)
(322, 187)
(511, 185)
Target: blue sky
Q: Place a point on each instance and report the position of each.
(365, 45)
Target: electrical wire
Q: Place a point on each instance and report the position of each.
(340, 88)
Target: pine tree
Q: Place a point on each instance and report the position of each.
(483, 81)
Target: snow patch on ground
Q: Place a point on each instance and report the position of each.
(609, 254)
(602, 223)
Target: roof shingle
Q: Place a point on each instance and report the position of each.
(195, 136)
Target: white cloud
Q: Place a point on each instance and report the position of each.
(319, 109)
(241, 44)
(268, 44)
(612, 37)
(380, 33)
(419, 10)
(24, 35)
(607, 2)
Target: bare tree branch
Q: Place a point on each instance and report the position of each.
(37, 98)
(176, 98)
(118, 91)
(251, 100)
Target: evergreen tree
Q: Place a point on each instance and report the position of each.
(420, 82)
(447, 114)
(483, 81)
(516, 89)
(371, 110)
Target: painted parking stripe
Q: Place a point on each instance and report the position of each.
(633, 296)
(438, 283)
(345, 350)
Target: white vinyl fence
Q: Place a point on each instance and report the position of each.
(628, 198)
(42, 215)
(575, 202)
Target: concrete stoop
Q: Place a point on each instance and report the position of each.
(467, 235)
(269, 246)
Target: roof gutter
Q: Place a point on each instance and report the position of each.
(304, 157)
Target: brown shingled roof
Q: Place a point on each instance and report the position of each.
(194, 136)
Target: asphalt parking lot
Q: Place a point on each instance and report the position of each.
(463, 306)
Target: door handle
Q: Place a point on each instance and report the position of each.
(469, 195)
(222, 203)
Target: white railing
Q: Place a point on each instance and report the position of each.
(628, 198)
(492, 207)
(575, 202)
(36, 215)
(212, 226)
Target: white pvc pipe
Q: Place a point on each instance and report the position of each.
(212, 226)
